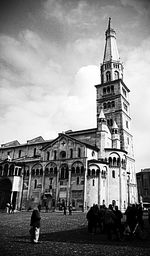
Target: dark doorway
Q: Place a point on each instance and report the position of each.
(5, 192)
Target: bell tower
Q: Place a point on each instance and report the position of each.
(113, 97)
(112, 93)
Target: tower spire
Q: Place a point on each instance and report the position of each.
(112, 68)
(109, 22)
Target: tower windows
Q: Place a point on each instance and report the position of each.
(124, 92)
(109, 122)
(109, 104)
(125, 106)
(116, 73)
(108, 90)
(127, 124)
(77, 180)
(112, 88)
(104, 90)
(108, 76)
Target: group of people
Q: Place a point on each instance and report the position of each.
(110, 220)
(69, 209)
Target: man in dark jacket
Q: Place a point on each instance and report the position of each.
(35, 226)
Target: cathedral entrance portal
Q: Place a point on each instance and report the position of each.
(5, 192)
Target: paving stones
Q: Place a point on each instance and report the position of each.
(64, 236)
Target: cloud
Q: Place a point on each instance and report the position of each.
(137, 77)
(37, 97)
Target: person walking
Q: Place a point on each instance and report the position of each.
(70, 209)
(35, 226)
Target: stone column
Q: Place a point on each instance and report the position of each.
(29, 184)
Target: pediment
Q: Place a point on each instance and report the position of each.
(63, 142)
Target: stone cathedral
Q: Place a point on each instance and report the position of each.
(82, 168)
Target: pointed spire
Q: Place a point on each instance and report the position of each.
(111, 50)
(109, 24)
(101, 114)
(114, 126)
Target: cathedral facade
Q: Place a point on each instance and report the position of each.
(82, 168)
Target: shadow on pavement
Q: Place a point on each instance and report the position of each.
(81, 236)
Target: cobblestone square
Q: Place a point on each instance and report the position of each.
(63, 235)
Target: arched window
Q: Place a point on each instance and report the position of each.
(112, 104)
(55, 154)
(63, 154)
(97, 172)
(37, 172)
(62, 175)
(112, 88)
(48, 154)
(11, 170)
(33, 172)
(104, 90)
(77, 169)
(93, 182)
(71, 153)
(66, 173)
(51, 171)
(16, 171)
(116, 75)
(34, 153)
(93, 172)
(73, 170)
(82, 169)
(110, 161)
(108, 89)
(109, 105)
(118, 161)
(41, 172)
(79, 152)
(5, 170)
(108, 76)
(46, 171)
(114, 161)
(55, 171)
(77, 180)
(19, 172)
(35, 184)
(113, 174)
(89, 172)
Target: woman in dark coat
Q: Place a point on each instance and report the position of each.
(35, 226)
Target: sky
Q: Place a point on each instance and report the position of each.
(50, 55)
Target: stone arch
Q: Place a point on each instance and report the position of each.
(36, 169)
(77, 167)
(64, 171)
(5, 192)
(93, 170)
(51, 169)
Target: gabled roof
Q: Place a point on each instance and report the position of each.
(71, 138)
(11, 144)
(35, 140)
